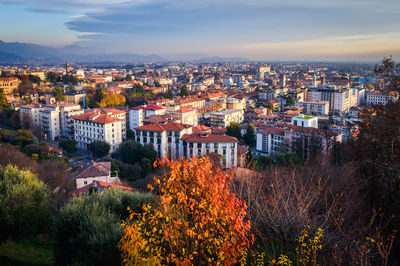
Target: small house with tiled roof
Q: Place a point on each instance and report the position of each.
(94, 171)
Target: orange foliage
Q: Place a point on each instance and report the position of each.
(198, 220)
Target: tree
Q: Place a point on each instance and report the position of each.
(128, 77)
(68, 145)
(199, 221)
(58, 94)
(270, 106)
(88, 228)
(216, 159)
(112, 100)
(34, 79)
(56, 174)
(52, 77)
(99, 148)
(184, 92)
(131, 151)
(234, 130)
(25, 208)
(170, 94)
(389, 71)
(130, 134)
(264, 163)
(250, 136)
(3, 99)
(290, 101)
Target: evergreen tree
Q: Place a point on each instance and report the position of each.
(184, 92)
(3, 99)
(234, 130)
(250, 136)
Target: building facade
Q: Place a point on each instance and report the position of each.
(96, 126)
(226, 117)
(9, 85)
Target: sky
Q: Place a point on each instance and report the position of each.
(326, 30)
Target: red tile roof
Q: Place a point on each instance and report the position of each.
(96, 118)
(101, 185)
(207, 137)
(170, 126)
(94, 169)
(185, 109)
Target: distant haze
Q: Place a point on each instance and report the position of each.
(327, 30)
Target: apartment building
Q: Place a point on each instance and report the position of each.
(297, 139)
(234, 103)
(377, 98)
(270, 141)
(116, 113)
(202, 143)
(29, 115)
(139, 113)
(192, 102)
(340, 100)
(225, 117)
(74, 96)
(165, 137)
(317, 108)
(9, 84)
(186, 115)
(56, 120)
(97, 126)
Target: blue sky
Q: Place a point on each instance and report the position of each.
(363, 30)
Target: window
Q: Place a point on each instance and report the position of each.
(85, 182)
(216, 145)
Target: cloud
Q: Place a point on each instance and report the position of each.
(172, 26)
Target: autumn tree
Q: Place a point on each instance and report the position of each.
(112, 100)
(199, 221)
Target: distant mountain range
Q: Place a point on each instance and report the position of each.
(16, 52)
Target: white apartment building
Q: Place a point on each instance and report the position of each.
(202, 143)
(376, 98)
(56, 119)
(95, 126)
(186, 115)
(226, 117)
(116, 113)
(139, 113)
(270, 141)
(340, 100)
(29, 115)
(318, 108)
(165, 137)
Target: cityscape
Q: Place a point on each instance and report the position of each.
(132, 143)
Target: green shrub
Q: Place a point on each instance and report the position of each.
(25, 208)
(88, 228)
